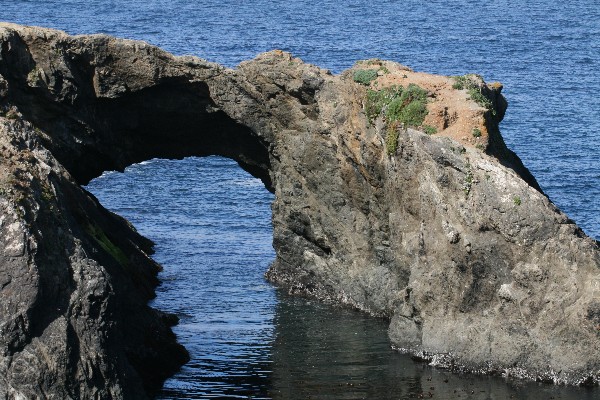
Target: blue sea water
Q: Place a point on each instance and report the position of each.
(211, 221)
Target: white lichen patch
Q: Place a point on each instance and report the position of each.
(14, 238)
(12, 232)
(508, 292)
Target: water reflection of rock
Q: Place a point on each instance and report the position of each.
(324, 352)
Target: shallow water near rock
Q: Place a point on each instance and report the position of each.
(211, 221)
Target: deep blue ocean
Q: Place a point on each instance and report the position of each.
(211, 220)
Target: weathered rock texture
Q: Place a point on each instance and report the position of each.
(449, 237)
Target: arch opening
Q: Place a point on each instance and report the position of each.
(91, 126)
(211, 223)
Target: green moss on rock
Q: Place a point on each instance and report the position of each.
(107, 245)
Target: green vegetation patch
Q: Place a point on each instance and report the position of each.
(391, 138)
(430, 130)
(461, 82)
(377, 100)
(517, 200)
(400, 106)
(410, 108)
(476, 132)
(405, 105)
(479, 98)
(474, 89)
(365, 76)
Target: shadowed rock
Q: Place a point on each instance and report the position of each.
(448, 235)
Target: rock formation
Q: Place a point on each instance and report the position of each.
(447, 235)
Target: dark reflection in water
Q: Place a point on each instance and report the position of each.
(211, 223)
(324, 352)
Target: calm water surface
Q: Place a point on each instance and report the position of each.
(211, 221)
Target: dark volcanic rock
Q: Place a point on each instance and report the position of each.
(449, 236)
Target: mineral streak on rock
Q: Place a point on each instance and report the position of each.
(447, 235)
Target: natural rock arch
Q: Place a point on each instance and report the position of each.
(447, 236)
(99, 121)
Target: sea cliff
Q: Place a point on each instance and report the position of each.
(394, 193)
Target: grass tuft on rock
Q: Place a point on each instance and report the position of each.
(364, 76)
(429, 130)
(517, 200)
(401, 107)
(377, 100)
(107, 245)
(391, 138)
(479, 98)
(473, 87)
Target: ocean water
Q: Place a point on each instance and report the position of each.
(211, 221)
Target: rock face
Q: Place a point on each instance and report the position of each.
(447, 235)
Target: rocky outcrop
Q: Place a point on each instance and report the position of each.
(447, 235)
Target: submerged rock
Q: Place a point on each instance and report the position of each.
(446, 234)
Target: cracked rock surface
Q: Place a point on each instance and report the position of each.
(448, 236)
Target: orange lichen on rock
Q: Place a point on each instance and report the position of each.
(451, 111)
